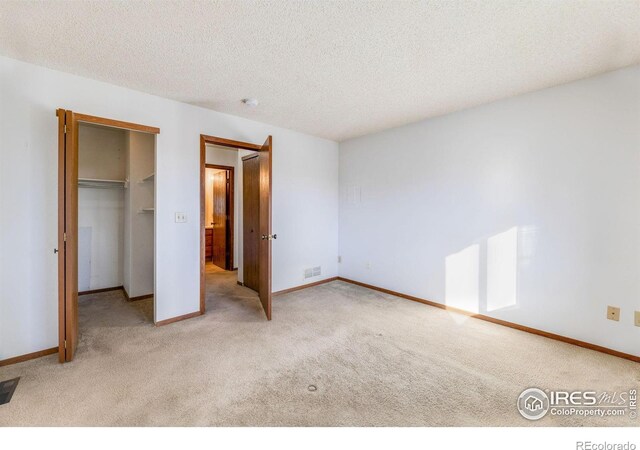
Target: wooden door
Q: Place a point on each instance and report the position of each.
(250, 221)
(67, 234)
(220, 218)
(266, 236)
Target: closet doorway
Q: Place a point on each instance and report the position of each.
(106, 220)
(235, 226)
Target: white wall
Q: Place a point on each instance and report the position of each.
(139, 225)
(101, 152)
(526, 209)
(100, 238)
(101, 155)
(305, 196)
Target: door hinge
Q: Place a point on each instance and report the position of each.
(65, 343)
(64, 237)
(65, 128)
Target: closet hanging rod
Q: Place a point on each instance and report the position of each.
(101, 184)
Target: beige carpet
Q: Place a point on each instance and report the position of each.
(374, 360)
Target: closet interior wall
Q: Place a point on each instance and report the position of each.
(115, 210)
(101, 197)
(139, 215)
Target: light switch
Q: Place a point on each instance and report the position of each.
(181, 217)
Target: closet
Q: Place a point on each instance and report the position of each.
(116, 198)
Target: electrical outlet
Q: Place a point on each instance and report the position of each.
(636, 319)
(339, 259)
(181, 217)
(368, 265)
(613, 313)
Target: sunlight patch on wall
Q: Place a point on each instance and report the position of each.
(462, 279)
(502, 269)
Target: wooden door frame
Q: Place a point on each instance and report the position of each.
(221, 142)
(230, 256)
(62, 186)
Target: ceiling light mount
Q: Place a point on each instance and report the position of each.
(250, 102)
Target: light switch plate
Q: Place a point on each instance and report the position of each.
(181, 217)
(613, 313)
(636, 319)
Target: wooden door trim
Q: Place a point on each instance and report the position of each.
(218, 166)
(117, 124)
(222, 142)
(230, 143)
(70, 236)
(61, 113)
(230, 211)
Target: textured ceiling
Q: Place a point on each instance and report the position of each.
(331, 69)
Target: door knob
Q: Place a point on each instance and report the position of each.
(55, 250)
(269, 237)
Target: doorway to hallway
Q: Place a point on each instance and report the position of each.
(236, 218)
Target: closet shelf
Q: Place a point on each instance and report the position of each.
(100, 183)
(148, 177)
(146, 210)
